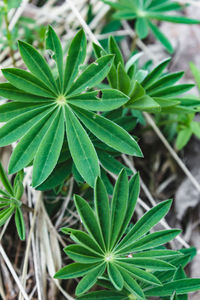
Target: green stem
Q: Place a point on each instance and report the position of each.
(9, 34)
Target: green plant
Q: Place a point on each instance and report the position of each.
(153, 91)
(10, 201)
(145, 12)
(126, 258)
(45, 109)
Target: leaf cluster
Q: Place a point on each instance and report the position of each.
(151, 91)
(10, 201)
(46, 111)
(133, 262)
(146, 13)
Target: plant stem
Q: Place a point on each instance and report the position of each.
(9, 34)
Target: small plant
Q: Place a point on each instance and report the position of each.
(145, 12)
(153, 91)
(10, 201)
(126, 258)
(45, 109)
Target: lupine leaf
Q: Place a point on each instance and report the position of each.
(6, 183)
(5, 214)
(102, 209)
(155, 74)
(27, 82)
(161, 37)
(76, 56)
(150, 219)
(141, 27)
(37, 65)
(89, 280)
(108, 132)
(19, 221)
(74, 270)
(81, 148)
(103, 295)
(142, 275)
(8, 91)
(151, 241)
(93, 75)
(82, 255)
(17, 127)
(49, 150)
(26, 149)
(89, 219)
(132, 285)
(109, 99)
(149, 263)
(114, 49)
(115, 276)
(119, 206)
(82, 238)
(53, 43)
(181, 287)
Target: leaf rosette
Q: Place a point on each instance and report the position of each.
(46, 109)
(125, 258)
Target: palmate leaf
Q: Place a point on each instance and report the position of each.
(145, 12)
(45, 109)
(132, 268)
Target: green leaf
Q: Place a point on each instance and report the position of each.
(26, 149)
(149, 263)
(27, 82)
(164, 81)
(19, 222)
(109, 133)
(151, 241)
(173, 19)
(183, 137)
(89, 220)
(37, 65)
(134, 190)
(114, 49)
(119, 206)
(82, 255)
(181, 287)
(150, 219)
(82, 238)
(142, 275)
(195, 127)
(115, 276)
(49, 150)
(17, 127)
(93, 75)
(81, 148)
(76, 56)
(132, 285)
(3, 193)
(5, 214)
(102, 209)
(103, 295)
(10, 110)
(145, 103)
(141, 27)
(53, 43)
(6, 183)
(155, 74)
(161, 37)
(74, 270)
(123, 80)
(172, 91)
(89, 280)
(162, 254)
(109, 99)
(8, 91)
